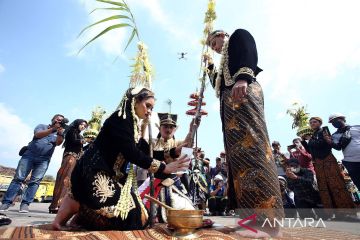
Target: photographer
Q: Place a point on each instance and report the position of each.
(301, 182)
(35, 159)
(298, 151)
(218, 200)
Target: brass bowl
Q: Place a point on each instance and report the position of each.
(185, 222)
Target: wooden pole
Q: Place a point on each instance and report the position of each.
(152, 190)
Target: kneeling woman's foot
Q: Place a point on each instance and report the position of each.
(69, 207)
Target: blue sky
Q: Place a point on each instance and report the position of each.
(309, 50)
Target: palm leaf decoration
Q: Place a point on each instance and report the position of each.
(142, 69)
(124, 14)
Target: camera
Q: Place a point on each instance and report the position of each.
(292, 146)
(63, 123)
(326, 130)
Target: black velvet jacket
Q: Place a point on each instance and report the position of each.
(73, 141)
(117, 136)
(242, 53)
(317, 145)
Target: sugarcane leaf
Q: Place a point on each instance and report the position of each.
(131, 38)
(105, 31)
(104, 20)
(113, 8)
(114, 3)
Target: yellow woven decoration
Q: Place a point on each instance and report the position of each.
(142, 70)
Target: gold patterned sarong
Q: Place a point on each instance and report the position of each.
(252, 173)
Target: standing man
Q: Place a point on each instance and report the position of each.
(347, 139)
(36, 160)
(279, 158)
(253, 181)
(331, 183)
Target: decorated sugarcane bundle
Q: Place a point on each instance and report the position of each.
(94, 124)
(300, 120)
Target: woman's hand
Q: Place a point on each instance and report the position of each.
(179, 164)
(144, 125)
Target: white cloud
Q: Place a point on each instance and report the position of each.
(14, 134)
(309, 41)
(2, 68)
(114, 41)
(159, 15)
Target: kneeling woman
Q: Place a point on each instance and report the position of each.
(104, 191)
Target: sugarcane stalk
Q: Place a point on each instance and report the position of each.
(198, 107)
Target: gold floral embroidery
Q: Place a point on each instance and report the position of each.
(223, 65)
(244, 70)
(154, 167)
(267, 207)
(236, 105)
(268, 153)
(233, 124)
(249, 139)
(103, 186)
(246, 181)
(227, 76)
(257, 91)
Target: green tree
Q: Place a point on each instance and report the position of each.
(49, 178)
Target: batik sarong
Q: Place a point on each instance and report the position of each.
(253, 185)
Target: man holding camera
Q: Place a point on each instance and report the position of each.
(35, 159)
(298, 151)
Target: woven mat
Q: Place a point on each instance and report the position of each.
(159, 232)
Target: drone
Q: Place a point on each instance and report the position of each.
(182, 55)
